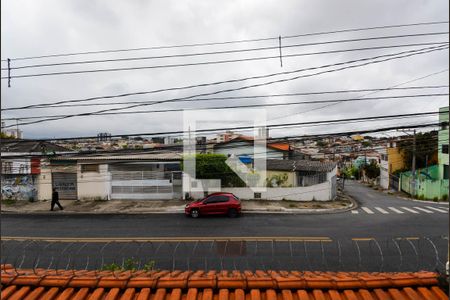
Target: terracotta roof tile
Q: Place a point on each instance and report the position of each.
(212, 285)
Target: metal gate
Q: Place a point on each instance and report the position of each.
(393, 182)
(142, 185)
(65, 184)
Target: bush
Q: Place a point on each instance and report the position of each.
(214, 166)
(435, 199)
(445, 198)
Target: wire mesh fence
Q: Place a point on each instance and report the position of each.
(360, 255)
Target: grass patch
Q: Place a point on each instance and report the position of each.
(9, 201)
(130, 264)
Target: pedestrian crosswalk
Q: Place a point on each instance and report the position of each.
(400, 210)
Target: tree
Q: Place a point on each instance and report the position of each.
(321, 144)
(426, 147)
(6, 136)
(213, 166)
(366, 144)
(372, 170)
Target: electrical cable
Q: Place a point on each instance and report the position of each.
(232, 42)
(210, 62)
(240, 106)
(244, 50)
(299, 124)
(239, 97)
(224, 81)
(389, 57)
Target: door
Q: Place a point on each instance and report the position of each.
(223, 204)
(65, 184)
(210, 205)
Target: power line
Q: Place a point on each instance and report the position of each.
(223, 82)
(298, 124)
(238, 97)
(239, 51)
(214, 62)
(295, 138)
(233, 42)
(393, 87)
(389, 57)
(240, 106)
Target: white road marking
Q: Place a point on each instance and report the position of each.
(444, 208)
(367, 210)
(410, 210)
(381, 210)
(423, 209)
(437, 209)
(395, 210)
(355, 211)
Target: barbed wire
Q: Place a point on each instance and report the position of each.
(403, 254)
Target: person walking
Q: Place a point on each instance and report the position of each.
(55, 200)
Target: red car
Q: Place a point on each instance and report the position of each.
(215, 204)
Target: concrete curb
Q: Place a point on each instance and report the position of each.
(423, 201)
(318, 211)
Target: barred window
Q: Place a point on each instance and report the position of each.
(89, 168)
(445, 149)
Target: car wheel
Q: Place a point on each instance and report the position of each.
(195, 213)
(232, 213)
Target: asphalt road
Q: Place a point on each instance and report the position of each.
(385, 233)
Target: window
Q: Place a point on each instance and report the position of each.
(445, 149)
(89, 168)
(445, 171)
(216, 199)
(6, 167)
(444, 125)
(257, 195)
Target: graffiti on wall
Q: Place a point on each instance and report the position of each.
(18, 187)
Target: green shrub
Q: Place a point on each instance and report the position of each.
(435, 199)
(150, 265)
(111, 267)
(445, 198)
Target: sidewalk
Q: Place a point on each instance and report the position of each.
(403, 195)
(342, 203)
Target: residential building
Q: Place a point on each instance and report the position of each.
(432, 182)
(443, 143)
(296, 180)
(245, 146)
(143, 176)
(21, 168)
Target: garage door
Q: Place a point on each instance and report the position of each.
(66, 185)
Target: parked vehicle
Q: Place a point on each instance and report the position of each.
(215, 204)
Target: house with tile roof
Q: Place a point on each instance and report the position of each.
(21, 166)
(221, 285)
(242, 145)
(125, 175)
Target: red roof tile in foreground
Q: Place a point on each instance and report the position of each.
(212, 285)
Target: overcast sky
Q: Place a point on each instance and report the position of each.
(34, 28)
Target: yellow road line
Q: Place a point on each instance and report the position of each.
(362, 239)
(164, 239)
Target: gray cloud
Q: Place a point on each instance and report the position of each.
(43, 27)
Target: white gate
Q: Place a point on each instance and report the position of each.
(142, 185)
